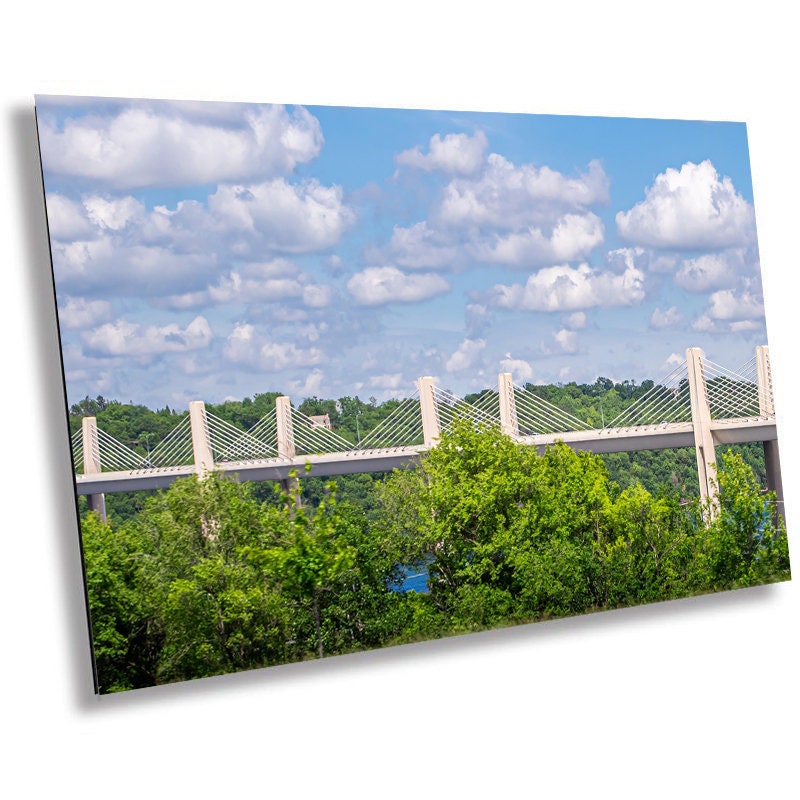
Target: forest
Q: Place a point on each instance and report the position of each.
(213, 576)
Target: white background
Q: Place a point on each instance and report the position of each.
(697, 698)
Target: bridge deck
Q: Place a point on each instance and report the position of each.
(605, 440)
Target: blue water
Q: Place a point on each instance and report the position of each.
(416, 580)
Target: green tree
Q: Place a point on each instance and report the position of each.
(308, 554)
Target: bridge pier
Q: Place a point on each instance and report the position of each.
(509, 424)
(766, 408)
(701, 422)
(201, 446)
(285, 436)
(431, 430)
(91, 463)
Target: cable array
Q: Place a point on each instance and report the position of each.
(175, 449)
(229, 443)
(668, 401)
(536, 415)
(402, 428)
(489, 403)
(730, 395)
(449, 408)
(115, 456)
(76, 445)
(312, 438)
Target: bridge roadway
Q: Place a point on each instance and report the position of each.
(605, 440)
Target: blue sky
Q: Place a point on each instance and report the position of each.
(217, 250)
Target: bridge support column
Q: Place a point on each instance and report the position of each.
(766, 408)
(91, 463)
(509, 423)
(201, 446)
(285, 434)
(431, 430)
(701, 422)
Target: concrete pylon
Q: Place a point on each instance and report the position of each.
(285, 430)
(701, 422)
(431, 430)
(91, 462)
(766, 408)
(286, 446)
(509, 424)
(201, 446)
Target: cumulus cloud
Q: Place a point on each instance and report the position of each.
(466, 355)
(507, 197)
(309, 386)
(572, 238)
(666, 319)
(477, 319)
(423, 247)
(566, 341)
(269, 282)
(67, 219)
(113, 213)
(122, 338)
(80, 312)
(564, 288)
(379, 285)
(292, 218)
(246, 347)
(715, 270)
(520, 369)
(117, 245)
(150, 143)
(690, 208)
(387, 381)
(455, 153)
(729, 306)
(576, 321)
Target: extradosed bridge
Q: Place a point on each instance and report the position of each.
(699, 404)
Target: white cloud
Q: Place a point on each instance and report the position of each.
(456, 153)
(704, 324)
(80, 312)
(572, 238)
(576, 321)
(466, 355)
(292, 218)
(507, 197)
(673, 361)
(318, 295)
(244, 346)
(66, 219)
(565, 288)
(310, 386)
(665, 319)
(520, 369)
(387, 381)
(730, 306)
(566, 341)
(423, 247)
(380, 285)
(149, 143)
(707, 272)
(477, 319)
(122, 338)
(690, 208)
(113, 214)
(745, 325)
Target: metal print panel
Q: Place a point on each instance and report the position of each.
(347, 378)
